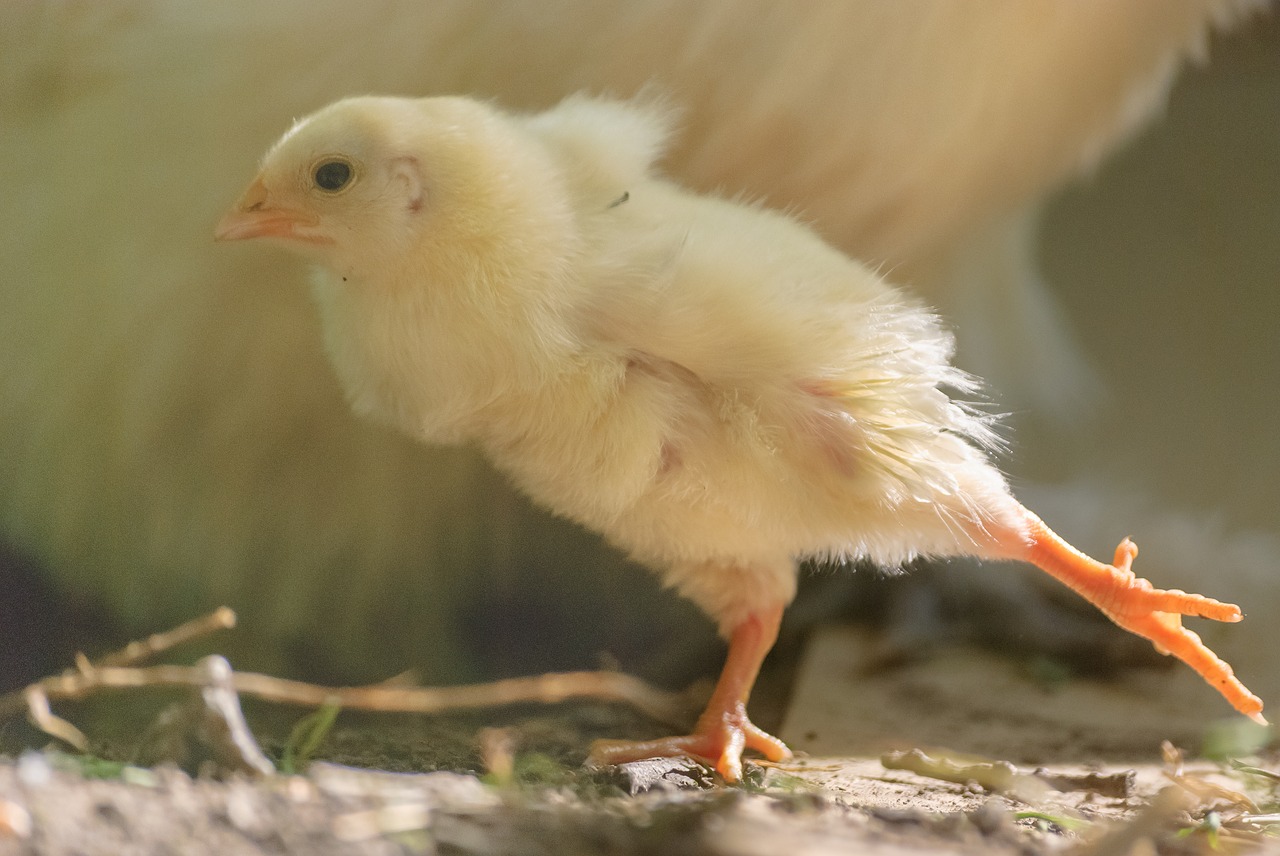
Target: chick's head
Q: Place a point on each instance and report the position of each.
(368, 181)
(336, 183)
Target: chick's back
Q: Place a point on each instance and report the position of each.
(805, 405)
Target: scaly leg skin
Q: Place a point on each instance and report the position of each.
(1137, 606)
(723, 731)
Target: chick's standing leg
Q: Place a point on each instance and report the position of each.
(723, 731)
(1134, 604)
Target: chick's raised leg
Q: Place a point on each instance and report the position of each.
(1136, 605)
(723, 731)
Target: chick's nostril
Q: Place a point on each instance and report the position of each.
(257, 206)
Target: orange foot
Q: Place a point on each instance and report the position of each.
(1137, 606)
(719, 740)
(723, 731)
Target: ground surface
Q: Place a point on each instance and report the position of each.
(1097, 744)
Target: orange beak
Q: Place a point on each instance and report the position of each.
(255, 216)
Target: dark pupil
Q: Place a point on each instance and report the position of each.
(332, 175)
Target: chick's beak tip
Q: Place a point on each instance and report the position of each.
(235, 223)
(235, 226)
(255, 216)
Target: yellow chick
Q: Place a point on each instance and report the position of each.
(704, 382)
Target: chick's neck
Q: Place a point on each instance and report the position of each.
(457, 355)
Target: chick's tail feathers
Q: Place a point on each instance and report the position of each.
(1134, 603)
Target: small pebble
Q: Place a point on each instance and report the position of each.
(991, 818)
(242, 811)
(34, 769)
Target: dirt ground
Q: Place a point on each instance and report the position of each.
(1083, 773)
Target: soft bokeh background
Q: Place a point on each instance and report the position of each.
(1168, 264)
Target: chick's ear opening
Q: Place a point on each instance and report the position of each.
(406, 176)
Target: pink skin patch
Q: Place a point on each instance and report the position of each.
(831, 428)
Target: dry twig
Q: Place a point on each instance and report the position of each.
(222, 618)
(997, 776)
(393, 697)
(1207, 793)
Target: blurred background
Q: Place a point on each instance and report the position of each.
(171, 438)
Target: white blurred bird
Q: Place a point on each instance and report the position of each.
(706, 383)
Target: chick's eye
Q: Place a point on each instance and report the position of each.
(332, 175)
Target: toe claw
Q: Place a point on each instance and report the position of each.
(1126, 552)
(766, 744)
(1138, 606)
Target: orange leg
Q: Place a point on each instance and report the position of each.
(723, 732)
(1137, 606)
